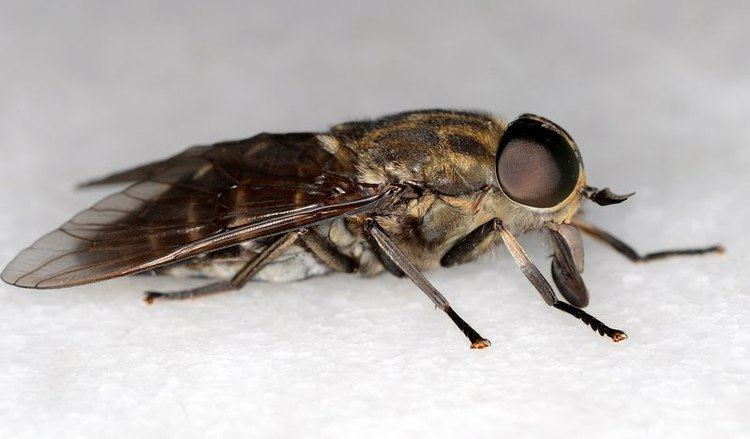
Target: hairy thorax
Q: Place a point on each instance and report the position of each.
(450, 158)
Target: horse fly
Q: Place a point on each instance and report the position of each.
(402, 193)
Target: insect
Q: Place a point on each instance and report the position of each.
(402, 193)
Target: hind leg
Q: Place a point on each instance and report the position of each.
(273, 251)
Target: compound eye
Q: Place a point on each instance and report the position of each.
(536, 167)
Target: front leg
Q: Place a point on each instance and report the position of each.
(633, 255)
(540, 283)
(388, 249)
(486, 234)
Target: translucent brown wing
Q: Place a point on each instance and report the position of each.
(204, 199)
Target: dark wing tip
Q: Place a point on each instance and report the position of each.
(118, 178)
(142, 172)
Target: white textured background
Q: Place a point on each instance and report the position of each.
(656, 94)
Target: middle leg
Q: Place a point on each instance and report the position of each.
(391, 251)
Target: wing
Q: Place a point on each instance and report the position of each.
(206, 198)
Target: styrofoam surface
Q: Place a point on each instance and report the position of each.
(656, 94)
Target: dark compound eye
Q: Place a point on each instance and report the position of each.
(536, 165)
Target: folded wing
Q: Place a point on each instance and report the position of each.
(207, 198)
